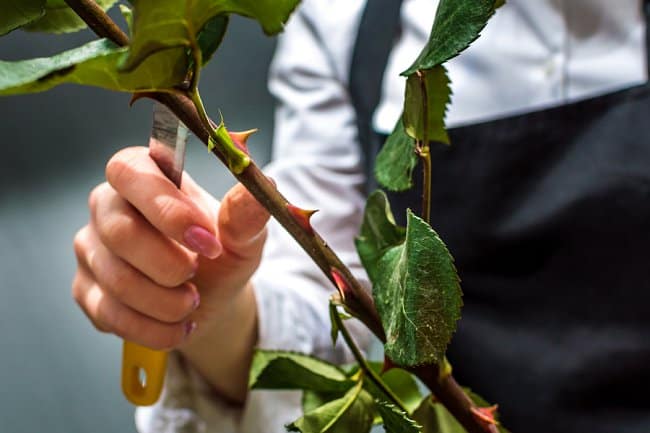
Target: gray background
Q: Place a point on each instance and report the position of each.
(57, 374)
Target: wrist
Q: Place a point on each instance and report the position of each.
(221, 348)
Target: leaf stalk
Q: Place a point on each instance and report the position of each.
(361, 360)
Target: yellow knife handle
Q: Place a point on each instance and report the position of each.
(143, 373)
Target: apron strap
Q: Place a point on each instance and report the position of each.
(378, 30)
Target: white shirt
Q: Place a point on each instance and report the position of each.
(533, 54)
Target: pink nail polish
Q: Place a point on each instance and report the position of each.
(203, 242)
(189, 327)
(197, 301)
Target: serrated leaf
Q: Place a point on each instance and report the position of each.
(401, 383)
(312, 399)
(433, 417)
(415, 284)
(350, 413)
(17, 13)
(59, 18)
(396, 160)
(165, 24)
(457, 24)
(378, 232)
(427, 96)
(94, 64)
(289, 370)
(396, 420)
(211, 36)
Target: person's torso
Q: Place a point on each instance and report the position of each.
(547, 214)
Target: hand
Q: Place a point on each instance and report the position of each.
(157, 265)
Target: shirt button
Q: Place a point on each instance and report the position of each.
(553, 65)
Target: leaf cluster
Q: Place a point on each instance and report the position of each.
(167, 39)
(456, 25)
(344, 400)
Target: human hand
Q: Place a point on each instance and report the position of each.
(151, 254)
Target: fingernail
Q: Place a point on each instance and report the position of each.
(203, 242)
(189, 327)
(197, 301)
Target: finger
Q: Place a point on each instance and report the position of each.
(137, 178)
(132, 288)
(200, 196)
(129, 236)
(242, 223)
(80, 286)
(109, 315)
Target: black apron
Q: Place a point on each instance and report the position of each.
(548, 217)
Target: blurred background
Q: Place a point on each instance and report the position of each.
(57, 374)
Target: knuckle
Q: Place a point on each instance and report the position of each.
(120, 169)
(77, 290)
(79, 243)
(166, 340)
(172, 212)
(100, 327)
(174, 313)
(119, 282)
(117, 230)
(96, 195)
(121, 322)
(174, 274)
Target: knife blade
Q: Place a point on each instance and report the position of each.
(143, 369)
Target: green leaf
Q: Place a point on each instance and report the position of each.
(334, 332)
(378, 232)
(17, 13)
(92, 64)
(403, 385)
(457, 24)
(211, 36)
(59, 18)
(400, 382)
(415, 284)
(395, 420)
(288, 370)
(164, 24)
(427, 96)
(435, 418)
(272, 15)
(312, 399)
(351, 413)
(127, 14)
(396, 160)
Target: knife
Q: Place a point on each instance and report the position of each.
(143, 369)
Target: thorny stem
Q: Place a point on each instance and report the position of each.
(361, 304)
(98, 21)
(425, 154)
(422, 149)
(363, 364)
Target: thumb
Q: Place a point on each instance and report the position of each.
(241, 223)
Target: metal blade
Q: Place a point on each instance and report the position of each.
(167, 142)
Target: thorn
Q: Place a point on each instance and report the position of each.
(486, 414)
(388, 365)
(341, 283)
(139, 95)
(302, 217)
(240, 138)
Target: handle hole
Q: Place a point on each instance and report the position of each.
(142, 377)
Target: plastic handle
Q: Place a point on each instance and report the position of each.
(143, 373)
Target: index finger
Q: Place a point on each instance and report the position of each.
(137, 178)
